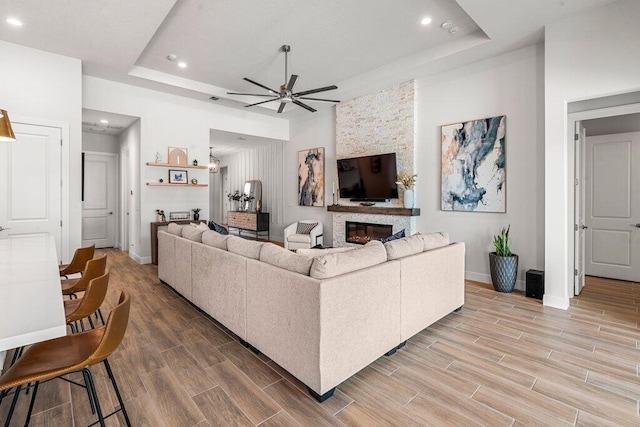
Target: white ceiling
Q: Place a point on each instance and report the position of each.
(91, 122)
(224, 143)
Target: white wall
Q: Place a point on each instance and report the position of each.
(100, 143)
(44, 86)
(310, 130)
(511, 85)
(588, 55)
(169, 120)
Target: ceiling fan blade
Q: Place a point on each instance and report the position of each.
(292, 81)
(261, 85)
(309, 92)
(250, 94)
(305, 106)
(262, 102)
(318, 99)
(282, 105)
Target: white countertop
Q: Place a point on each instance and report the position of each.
(31, 307)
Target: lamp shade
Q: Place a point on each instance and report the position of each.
(6, 133)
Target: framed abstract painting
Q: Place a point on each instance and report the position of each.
(311, 177)
(474, 166)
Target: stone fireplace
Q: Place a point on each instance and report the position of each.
(364, 232)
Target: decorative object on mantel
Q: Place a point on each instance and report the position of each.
(196, 213)
(174, 216)
(6, 131)
(473, 166)
(406, 182)
(503, 264)
(161, 217)
(158, 157)
(375, 210)
(178, 176)
(367, 203)
(311, 177)
(177, 156)
(194, 181)
(195, 162)
(234, 199)
(161, 180)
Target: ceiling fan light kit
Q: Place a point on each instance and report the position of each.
(286, 95)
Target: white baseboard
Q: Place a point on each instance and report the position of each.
(134, 256)
(486, 278)
(145, 260)
(555, 302)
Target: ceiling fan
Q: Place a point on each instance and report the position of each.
(286, 95)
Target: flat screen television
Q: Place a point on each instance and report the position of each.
(368, 178)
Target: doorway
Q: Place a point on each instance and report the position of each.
(100, 201)
(606, 200)
(226, 189)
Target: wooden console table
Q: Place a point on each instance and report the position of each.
(159, 226)
(255, 222)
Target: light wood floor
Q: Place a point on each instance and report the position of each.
(503, 360)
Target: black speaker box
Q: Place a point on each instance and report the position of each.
(535, 284)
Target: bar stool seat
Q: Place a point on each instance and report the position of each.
(68, 285)
(80, 258)
(94, 268)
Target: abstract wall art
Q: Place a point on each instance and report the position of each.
(473, 166)
(311, 177)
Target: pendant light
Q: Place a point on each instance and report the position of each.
(214, 164)
(6, 132)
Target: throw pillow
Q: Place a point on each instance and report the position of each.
(218, 228)
(399, 235)
(305, 227)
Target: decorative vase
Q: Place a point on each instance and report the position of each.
(504, 270)
(408, 199)
(234, 205)
(196, 216)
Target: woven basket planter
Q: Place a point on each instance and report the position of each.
(504, 270)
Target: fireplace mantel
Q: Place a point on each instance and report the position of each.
(375, 210)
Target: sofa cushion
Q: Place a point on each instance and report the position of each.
(192, 233)
(216, 240)
(299, 238)
(244, 247)
(218, 228)
(284, 258)
(316, 252)
(405, 246)
(335, 264)
(399, 235)
(305, 227)
(434, 240)
(200, 226)
(175, 229)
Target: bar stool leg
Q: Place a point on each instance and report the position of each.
(93, 408)
(115, 387)
(13, 406)
(92, 387)
(33, 399)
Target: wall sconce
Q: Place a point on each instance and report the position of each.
(214, 164)
(6, 132)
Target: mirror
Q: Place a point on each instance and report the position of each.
(253, 188)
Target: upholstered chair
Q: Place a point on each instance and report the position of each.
(303, 234)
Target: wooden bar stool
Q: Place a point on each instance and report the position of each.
(94, 268)
(77, 309)
(80, 257)
(73, 353)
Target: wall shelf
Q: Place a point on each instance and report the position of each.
(166, 184)
(374, 210)
(169, 165)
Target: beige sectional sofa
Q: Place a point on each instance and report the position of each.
(322, 316)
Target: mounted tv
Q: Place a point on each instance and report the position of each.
(368, 178)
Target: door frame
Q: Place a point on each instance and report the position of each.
(572, 118)
(116, 226)
(64, 176)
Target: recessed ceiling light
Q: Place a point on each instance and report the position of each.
(172, 57)
(182, 64)
(426, 20)
(104, 122)
(14, 21)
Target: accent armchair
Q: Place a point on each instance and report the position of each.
(295, 236)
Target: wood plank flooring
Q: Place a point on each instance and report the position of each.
(504, 360)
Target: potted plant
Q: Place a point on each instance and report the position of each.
(245, 201)
(161, 217)
(196, 213)
(406, 182)
(503, 264)
(234, 199)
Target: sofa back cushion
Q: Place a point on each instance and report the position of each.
(434, 240)
(405, 246)
(192, 233)
(313, 252)
(335, 264)
(175, 229)
(216, 240)
(247, 248)
(284, 258)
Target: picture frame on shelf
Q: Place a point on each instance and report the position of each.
(176, 216)
(178, 176)
(178, 156)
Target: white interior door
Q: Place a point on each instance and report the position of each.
(580, 142)
(613, 206)
(100, 198)
(126, 200)
(30, 187)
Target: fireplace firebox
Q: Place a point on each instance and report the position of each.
(363, 232)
